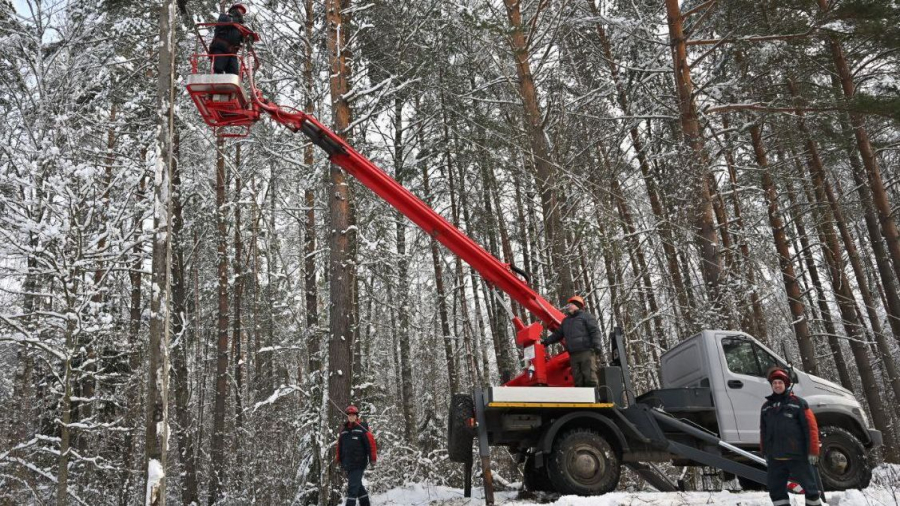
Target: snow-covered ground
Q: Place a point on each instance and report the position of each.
(884, 491)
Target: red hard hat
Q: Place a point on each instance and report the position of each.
(778, 373)
(239, 6)
(352, 410)
(576, 299)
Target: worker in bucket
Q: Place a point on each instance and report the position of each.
(582, 334)
(227, 40)
(355, 450)
(789, 439)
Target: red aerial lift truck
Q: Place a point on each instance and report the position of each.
(571, 440)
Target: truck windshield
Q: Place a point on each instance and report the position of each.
(745, 357)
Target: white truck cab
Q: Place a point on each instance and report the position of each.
(733, 366)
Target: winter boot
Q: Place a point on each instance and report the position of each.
(364, 500)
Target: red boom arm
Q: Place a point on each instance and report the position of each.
(497, 273)
(238, 110)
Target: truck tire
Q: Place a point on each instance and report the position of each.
(583, 463)
(535, 479)
(843, 462)
(459, 434)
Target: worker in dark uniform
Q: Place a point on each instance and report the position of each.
(227, 41)
(579, 329)
(355, 450)
(789, 439)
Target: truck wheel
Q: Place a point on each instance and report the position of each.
(583, 463)
(535, 479)
(459, 434)
(843, 462)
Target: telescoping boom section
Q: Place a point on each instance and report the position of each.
(223, 102)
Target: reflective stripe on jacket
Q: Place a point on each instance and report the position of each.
(356, 446)
(787, 428)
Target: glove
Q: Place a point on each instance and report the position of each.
(813, 460)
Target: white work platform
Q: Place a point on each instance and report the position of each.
(509, 397)
(226, 85)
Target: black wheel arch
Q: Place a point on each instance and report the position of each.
(589, 420)
(845, 421)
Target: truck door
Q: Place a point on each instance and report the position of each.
(746, 364)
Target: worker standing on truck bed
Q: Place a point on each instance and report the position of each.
(582, 334)
(355, 450)
(789, 439)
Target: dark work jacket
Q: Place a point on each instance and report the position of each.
(580, 331)
(226, 39)
(356, 446)
(787, 428)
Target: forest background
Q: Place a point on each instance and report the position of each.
(183, 318)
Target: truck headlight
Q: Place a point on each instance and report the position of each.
(862, 414)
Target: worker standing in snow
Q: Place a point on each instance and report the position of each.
(355, 450)
(227, 40)
(789, 439)
(582, 334)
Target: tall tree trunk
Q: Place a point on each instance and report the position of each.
(446, 337)
(237, 356)
(791, 286)
(310, 289)
(524, 238)
(479, 333)
(758, 321)
(134, 360)
(876, 239)
(663, 224)
(710, 264)
(807, 254)
(309, 198)
(181, 330)
(505, 244)
(641, 272)
(876, 184)
(157, 426)
(544, 173)
(407, 392)
(65, 435)
(854, 328)
(505, 364)
(262, 369)
(341, 263)
(825, 197)
(217, 440)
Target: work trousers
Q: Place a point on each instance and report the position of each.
(355, 488)
(800, 470)
(584, 368)
(224, 64)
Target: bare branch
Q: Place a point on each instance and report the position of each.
(698, 8)
(764, 38)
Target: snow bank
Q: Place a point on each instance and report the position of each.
(884, 491)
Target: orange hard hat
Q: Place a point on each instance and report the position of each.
(577, 300)
(352, 410)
